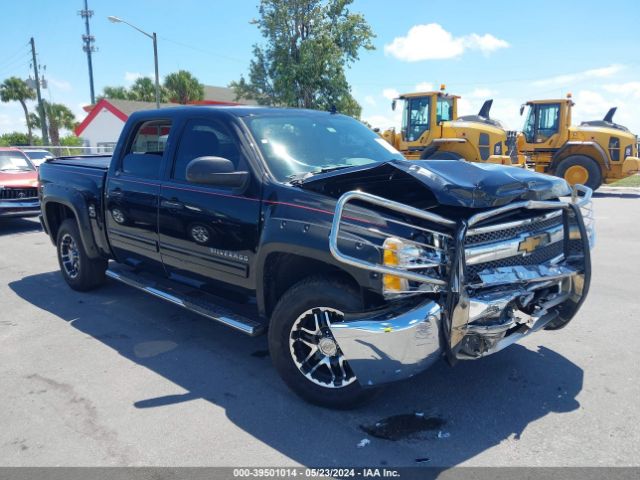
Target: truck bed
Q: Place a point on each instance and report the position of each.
(100, 162)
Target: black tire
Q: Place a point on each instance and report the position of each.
(594, 180)
(313, 292)
(85, 273)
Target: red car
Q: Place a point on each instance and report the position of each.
(18, 185)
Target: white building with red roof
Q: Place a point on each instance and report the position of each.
(102, 126)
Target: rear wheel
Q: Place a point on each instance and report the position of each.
(304, 352)
(580, 169)
(81, 272)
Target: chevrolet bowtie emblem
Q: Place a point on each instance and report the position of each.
(529, 244)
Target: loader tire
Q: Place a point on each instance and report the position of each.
(580, 169)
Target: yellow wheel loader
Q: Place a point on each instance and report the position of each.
(431, 129)
(592, 153)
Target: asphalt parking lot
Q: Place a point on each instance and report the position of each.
(115, 377)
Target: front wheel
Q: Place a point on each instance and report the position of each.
(304, 352)
(580, 169)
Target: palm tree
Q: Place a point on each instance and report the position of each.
(15, 89)
(118, 93)
(183, 87)
(59, 117)
(144, 90)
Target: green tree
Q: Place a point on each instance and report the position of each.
(116, 93)
(144, 90)
(59, 116)
(309, 44)
(14, 89)
(14, 138)
(183, 87)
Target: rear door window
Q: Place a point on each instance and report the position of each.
(144, 154)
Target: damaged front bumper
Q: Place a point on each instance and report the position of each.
(397, 343)
(488, 300)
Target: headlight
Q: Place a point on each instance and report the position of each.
(401, 254)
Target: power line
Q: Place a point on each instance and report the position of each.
(13, 69)
(18, 53)
(10, 63)
(198, 49)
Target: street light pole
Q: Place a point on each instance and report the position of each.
(155, 59)
(153, 37)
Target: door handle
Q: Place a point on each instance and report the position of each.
(171, 204)
(116, 192)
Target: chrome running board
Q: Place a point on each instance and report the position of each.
(202, 304)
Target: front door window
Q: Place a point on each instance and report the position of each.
(542, 122)
(548, 121)
(417, 117)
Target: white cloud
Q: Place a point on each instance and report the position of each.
(483, 93)
(567, 79)
(390, 93)
(383, 122)
(432, 42)
(506, 110)
(59, 84)
(12, 117)
(130, 77)
(592, 105)
(628, 88)
(424, 87)
(486, 43)
(369, 100)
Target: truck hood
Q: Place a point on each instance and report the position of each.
(449, 182)
(18, 179)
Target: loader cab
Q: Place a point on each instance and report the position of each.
(422, 113)
(546, 124)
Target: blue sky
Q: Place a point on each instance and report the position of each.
(509, 51)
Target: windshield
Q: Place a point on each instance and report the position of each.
(14, 160)
(529, 124)
(36, 155)
(295, 144)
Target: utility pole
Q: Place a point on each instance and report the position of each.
(43, 120)
(88, 47)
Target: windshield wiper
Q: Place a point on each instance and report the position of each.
(298, 178)
(329, 169)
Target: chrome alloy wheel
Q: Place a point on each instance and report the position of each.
(315, 352)
(70, 256)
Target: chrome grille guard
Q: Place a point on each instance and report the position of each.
(580, 198)
(457, 316)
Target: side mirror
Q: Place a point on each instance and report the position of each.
(521, 109)
(216, 171)
(393, 105)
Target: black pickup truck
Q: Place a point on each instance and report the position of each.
(365, 268)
